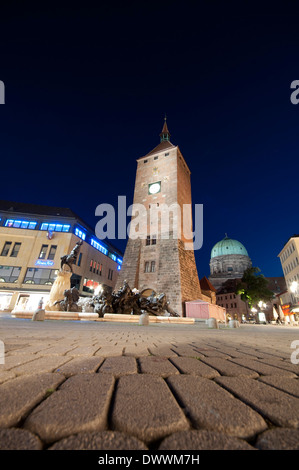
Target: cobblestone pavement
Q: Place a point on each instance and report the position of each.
(107, 385)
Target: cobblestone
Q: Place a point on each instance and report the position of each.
(108, 385)
(84, 400)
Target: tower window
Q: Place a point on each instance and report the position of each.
(148, 240)
(156, 158)
(145, 161)
(146, 267)
(153, 266)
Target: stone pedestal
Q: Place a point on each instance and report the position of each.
(39, 315)
(61, 283)
(144, 319)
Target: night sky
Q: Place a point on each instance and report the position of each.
(86, 93)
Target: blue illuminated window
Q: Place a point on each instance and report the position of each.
(112, 256)
(17, 223)
(55, 227)
(80, 233)
(98, 246)
(119, 260)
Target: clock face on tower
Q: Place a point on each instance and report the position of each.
(154, 188)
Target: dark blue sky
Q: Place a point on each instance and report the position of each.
(86, 93)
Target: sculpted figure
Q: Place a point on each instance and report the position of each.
(72, 257)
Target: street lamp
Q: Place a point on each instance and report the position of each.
(293, 289)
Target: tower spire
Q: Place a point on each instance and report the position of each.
(165, 134)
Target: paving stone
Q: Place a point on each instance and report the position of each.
(18, 439)
(17, 360)
(87, 350)
(279, 407)
(203, 440)
(80, 365)
(18, 396)
(118, 366)
(145, 408)
(110, 350)
(262, 368)
(84, 399)
(135, 350)
(282, 364)
(285, 384)
(278, 439)
(6, 375)
(190, 365)
(232, 352)
(164, 351)
(32, 349)
(226, 367)
(157, 365)
(57, 350)
(211, 407)
(104, 440)
(40, 365)
(189, 351)
(212, 352)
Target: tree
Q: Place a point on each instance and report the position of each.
(254, 287)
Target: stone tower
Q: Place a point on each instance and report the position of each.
(157, 260)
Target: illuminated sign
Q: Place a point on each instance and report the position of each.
(44, 262)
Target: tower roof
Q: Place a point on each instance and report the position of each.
(164, 140)
(228, 246)
(165, 134)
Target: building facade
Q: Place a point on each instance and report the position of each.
(289, 258)
(33, 238)
(158, 261)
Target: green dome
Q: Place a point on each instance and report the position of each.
(227, 246)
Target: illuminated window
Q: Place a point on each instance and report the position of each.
(80, 233)
(40, 276)
(9, 273)
(17, 223)
(98, 246)
(55, 227)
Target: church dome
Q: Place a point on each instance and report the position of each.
(227, 246)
